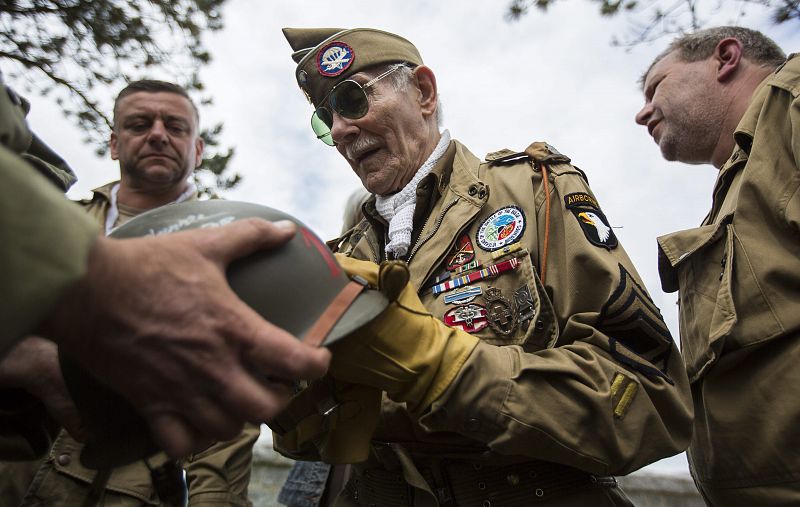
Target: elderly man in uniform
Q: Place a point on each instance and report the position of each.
(64, 282)
(157, 143)
(525, 363)
(728, 96)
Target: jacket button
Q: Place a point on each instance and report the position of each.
(64, 460)
(539, 324)
(473, 189)
(473, 425)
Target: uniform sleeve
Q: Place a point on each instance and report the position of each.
(220, 475)
(46, 241)
(611, 395)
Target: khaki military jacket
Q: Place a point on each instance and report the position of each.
(575, 365)
(739, 281)
(217, 476)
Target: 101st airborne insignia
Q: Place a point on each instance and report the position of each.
(500, 312)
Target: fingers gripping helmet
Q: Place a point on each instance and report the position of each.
(297, 286)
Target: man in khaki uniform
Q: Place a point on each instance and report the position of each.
(156, 140)
(60, 280)
(728, 96)
(547, 367)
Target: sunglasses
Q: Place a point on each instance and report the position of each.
(349, 100)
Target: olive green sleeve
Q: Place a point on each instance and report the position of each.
(46, 241)
(220, 475)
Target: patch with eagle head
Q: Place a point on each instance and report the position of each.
(592, 221)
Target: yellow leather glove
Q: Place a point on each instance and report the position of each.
(405, 351)
(329, 420)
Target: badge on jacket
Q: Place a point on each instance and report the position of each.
(503, 227)
(592, 221)
(470, 318)
(462, 253)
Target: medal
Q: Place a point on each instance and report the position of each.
(500, 312)
(470, 318)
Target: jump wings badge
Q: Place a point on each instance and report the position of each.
(462, 253)
(500, 312)
(503, 227)
(470, 318)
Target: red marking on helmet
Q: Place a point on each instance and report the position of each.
(312, 240)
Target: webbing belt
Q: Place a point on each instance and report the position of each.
(462, 483)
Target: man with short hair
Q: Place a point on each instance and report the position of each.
(157, 143)
(525, 362)
(728, 96)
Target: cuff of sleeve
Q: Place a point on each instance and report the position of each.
(473, 403)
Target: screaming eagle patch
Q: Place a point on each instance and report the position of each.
(503, 227)
(593, 222)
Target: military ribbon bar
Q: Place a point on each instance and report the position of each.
(487, 272)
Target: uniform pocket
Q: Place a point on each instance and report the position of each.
(698, 261)
(722, 307)
(509, 308)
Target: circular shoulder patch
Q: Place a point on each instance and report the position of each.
(334, 58)
(503, 227)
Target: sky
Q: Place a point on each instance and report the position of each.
(551, 77)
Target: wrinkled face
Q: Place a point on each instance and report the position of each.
(155, 138)
(683, 109)
(387, 145)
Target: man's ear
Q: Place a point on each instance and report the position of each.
(112, 145)
(198, 148)
(429, 96)
(728, 57)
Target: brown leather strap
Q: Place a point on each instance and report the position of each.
(316, 335)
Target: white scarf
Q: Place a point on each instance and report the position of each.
(398, 209)
(113, 209)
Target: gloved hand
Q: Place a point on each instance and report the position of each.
(405, 351)
(334, 422)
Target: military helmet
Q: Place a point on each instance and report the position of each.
(298, 286)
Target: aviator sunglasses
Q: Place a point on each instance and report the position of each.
(349, 100)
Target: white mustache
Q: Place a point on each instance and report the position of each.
(360, 146)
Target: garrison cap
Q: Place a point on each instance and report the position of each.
(326, 56)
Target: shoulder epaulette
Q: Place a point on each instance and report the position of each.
(543, 153)
(539, 152)
(504, 155)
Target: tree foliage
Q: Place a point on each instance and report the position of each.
(651, 19)
(82, 52)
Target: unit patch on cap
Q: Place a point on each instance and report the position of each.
(503, 227)
(334, 58)
(592, 221)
